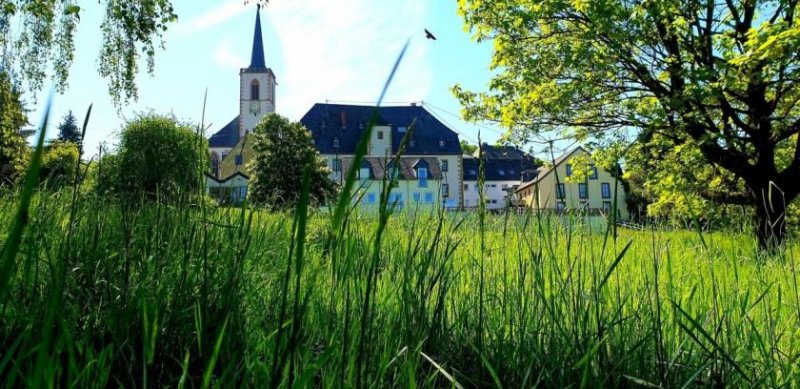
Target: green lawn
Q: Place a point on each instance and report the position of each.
(164, 295)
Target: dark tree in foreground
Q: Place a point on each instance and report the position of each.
(68, 130)
(13, 149)
(716, 77)
(283, 150)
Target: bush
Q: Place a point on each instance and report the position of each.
(158, 157)
(58, 164)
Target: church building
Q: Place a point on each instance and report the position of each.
(229, 148)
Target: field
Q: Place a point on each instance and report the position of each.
(189, 296)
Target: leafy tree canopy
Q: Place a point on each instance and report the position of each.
(468, 148)
(716, 80)
(158, 157)
(59, 164)
(283, 150)
(37, 40)
(13, 149)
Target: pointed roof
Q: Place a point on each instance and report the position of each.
(257, 58)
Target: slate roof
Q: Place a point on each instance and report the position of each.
(543, 172)
(228, 136)
(348, 123)
(257, 57)
(406, 168)
(500, 152)
(499, 169)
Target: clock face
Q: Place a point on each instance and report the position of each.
(255, 107)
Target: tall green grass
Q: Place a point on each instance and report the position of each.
(161, 295)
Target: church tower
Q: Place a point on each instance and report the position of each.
(256, 85)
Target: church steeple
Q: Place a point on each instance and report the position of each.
(256, 85)
(257, 58)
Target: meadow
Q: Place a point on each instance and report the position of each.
(104, 293)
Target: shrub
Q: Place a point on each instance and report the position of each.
(158, 157)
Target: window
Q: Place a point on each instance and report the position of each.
(560, 206)
(363, 173)
(224, 154)
(569, 170)
(336, 142)
(606, 206)
(239, 160)
(605, 188)
(401, 129)
(494, 201)
(380, 134)
(370, 198)
(441, 143)
(416, 197)
(214, 164)
(412, 143)
(593, 175)
(583, 192)
(422, 177)
(466, 187)
(445, 165)
(396, 198)
(336, 165)
(254, 95)
(445, 190)
(428, 197)
(501, 172)
(561, 191)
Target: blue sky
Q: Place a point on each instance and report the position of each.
(319, 50)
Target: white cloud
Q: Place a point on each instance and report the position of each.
(215, 16)
(344, 50)
(225, 57)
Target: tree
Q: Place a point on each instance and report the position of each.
(44, 46)
(718, 79)
(283, 150)
(13, 149)
(59, 163)
(68, 130)
(159, 157)
(468, 148)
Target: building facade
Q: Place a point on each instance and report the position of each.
(555, 189)
(338, 128)
(504, 170)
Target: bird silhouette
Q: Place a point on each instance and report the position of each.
(429, 35)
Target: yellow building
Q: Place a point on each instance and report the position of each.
(228, 180)
(556, 188)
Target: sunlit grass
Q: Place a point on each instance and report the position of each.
(161, 295)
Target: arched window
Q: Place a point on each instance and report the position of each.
(254, 90)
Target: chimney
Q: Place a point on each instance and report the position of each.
(414, 104)
(344, 120)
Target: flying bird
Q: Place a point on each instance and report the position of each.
(429, 35)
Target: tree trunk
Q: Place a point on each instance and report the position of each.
(770, 211)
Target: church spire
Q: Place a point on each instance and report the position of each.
(257, 58)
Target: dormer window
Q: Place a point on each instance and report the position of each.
(422, 177)
(412, 143)
(336, 142)
(441, 143)
(254, 88)
(401, 129)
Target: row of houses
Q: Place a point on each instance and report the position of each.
(433, 170)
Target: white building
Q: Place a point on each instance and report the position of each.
(504, 170)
